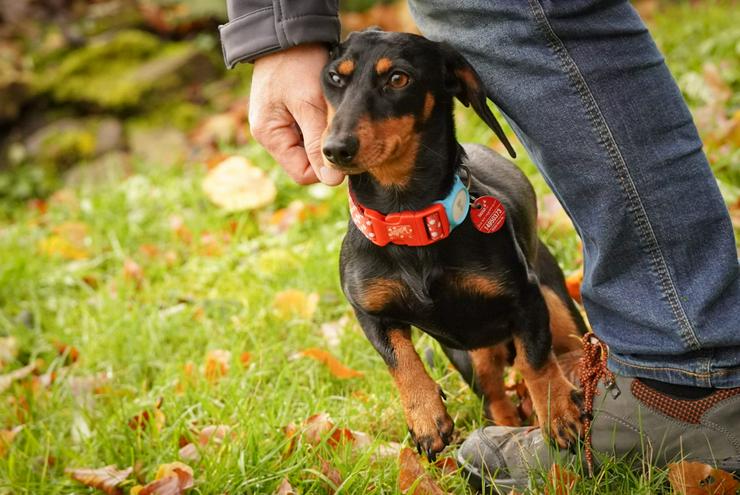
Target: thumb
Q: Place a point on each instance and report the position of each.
(312, 121)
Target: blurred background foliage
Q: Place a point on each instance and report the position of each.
(89, 88)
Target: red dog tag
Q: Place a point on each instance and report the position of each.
(487, 214)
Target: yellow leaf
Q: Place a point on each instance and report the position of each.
(295, 303)
(236, 185)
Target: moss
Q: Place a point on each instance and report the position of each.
(119, 73)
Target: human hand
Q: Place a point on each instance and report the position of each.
(287, 111)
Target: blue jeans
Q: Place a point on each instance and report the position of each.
(590, 97)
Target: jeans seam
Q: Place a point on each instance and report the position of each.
(636, 208)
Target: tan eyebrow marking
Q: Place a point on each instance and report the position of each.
(383, 65)
(346, 67)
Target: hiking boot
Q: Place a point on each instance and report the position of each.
(629, 417)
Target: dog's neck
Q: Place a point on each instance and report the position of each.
(431, 178)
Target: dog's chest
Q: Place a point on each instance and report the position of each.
(462, 309)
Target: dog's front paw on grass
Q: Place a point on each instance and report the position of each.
(430, 427)
(566, 418)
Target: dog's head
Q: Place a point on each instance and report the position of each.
(384, 91)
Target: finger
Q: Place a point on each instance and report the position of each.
(311, 118)
(284, 144)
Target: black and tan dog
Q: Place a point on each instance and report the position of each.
(476, 288)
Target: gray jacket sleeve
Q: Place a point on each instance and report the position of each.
(259, 27)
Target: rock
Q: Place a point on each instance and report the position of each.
(159, 146)
(109, 168)
(69, 140)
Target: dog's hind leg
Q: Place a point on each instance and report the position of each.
(566, 323)
(483, 370)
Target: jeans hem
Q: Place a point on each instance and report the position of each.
(673, 373)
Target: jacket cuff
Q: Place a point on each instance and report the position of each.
(258, 33)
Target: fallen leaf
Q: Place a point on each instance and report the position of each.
(106, 478)
(171, 479)
(7, 437)
(332, 474)
(411, 474)
(69, 351)
(218, 362)
(215, 434)
(178, 227)
(292, 303)
(189, 452)
(133, 271)
(291, 433)
(573, 284)
(144, 419)
(7, 379)
(335, 367)
(245, 358)
(560, 481)
(695, 478)
(284, 488)
(68, 241)
(236, 185)
(447, 465)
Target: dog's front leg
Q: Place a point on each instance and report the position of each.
(426, 416)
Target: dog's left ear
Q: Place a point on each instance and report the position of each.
(463, 82)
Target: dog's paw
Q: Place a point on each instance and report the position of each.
(430, 427)
(567, 414)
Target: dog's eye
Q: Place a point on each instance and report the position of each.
(336, 79)
(399, 80)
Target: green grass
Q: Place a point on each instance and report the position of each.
(143, 335)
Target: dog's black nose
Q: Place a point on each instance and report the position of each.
(341, 150)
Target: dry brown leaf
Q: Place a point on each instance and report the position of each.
(447, 465)
(144, 419)
(7, 379)
(70, 351)
(411, 470)
(291, 433)
(332, 474)
(218, 362)
(7, 437)
(284, 488)
(696, 478)
(189, 452)
(174, 478)
(236, 185)
(106, 478)
(560, 481)
(335, 367)
(245, 358)
(292, 303)
(68, 240)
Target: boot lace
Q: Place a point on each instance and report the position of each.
(592, 370)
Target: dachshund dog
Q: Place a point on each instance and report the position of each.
(461, 262)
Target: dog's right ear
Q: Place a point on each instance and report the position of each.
(463, 82)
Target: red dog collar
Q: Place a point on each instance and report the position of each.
(413, 228)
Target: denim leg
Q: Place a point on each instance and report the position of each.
(591, 99)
